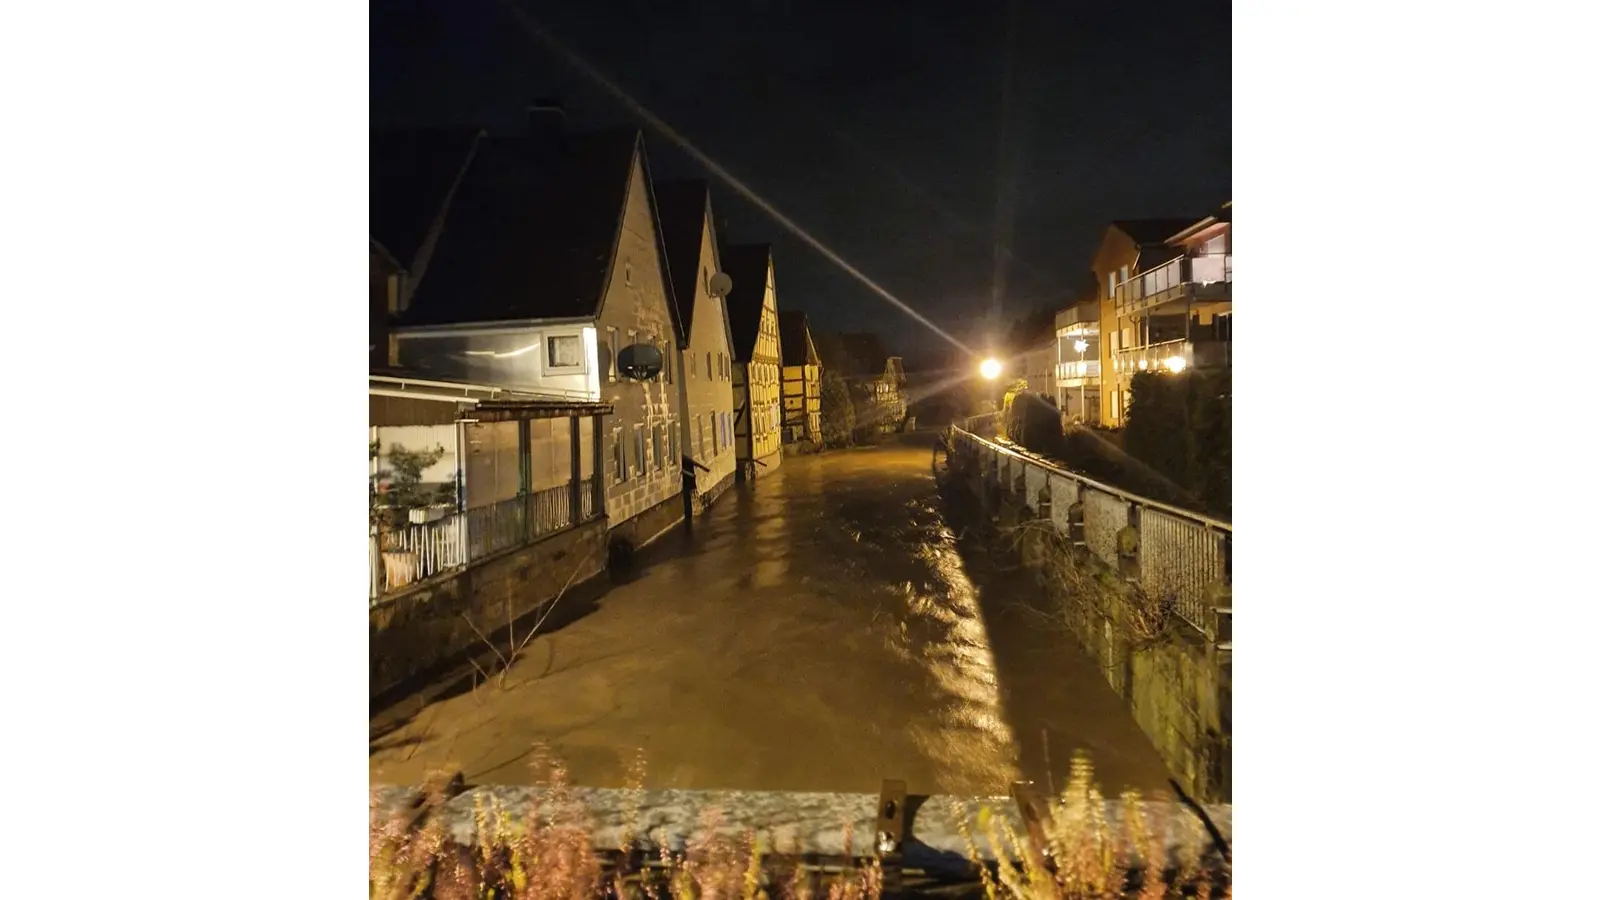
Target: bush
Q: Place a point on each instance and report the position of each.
(546, 852)
(1034, 422)
(1182, 427)
(838, 410)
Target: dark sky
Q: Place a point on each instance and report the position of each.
(876, 126)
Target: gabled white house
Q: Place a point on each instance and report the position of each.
(549, 264)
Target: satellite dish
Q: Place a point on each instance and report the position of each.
(720, 285)
(639, 362)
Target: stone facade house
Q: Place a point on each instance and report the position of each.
(705, 380)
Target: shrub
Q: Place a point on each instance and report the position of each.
(1034, 422)
(1182, 427)
(838, 410)
(546, 853)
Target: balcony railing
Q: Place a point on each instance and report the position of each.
(1078, 368)
(1167, 356)
(1198, 278)
(405, 556)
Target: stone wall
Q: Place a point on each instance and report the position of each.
(1178, 685)
(652, 523)
(709, 495)
(422, 632)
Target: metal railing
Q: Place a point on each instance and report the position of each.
(586, 491)
(407, 555)
(496, 527)
(1182, 555)
(1078, 368)
(550, 509)
(1147, 288)
(1157, 281)
(1195, 354)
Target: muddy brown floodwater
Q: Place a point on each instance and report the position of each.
(824, 630)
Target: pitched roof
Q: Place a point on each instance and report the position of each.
(683, 208)
(532, 230)
(747, 265)
(852, 355)
(409, 176)
(1153, 231)
(794, 337)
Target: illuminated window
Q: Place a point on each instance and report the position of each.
(565, 351)
(611, 353)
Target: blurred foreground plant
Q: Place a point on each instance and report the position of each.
(546, 852)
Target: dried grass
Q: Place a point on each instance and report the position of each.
(546, 852)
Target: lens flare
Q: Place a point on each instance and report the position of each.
(990, 369)
(541, 34)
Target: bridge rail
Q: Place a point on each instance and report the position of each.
(1181, 555)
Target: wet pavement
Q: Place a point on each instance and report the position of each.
(823, 631)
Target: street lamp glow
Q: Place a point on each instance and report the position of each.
(1080, 345)
(1176, 363)
(990, 369)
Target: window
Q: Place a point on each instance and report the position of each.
(708, 364)
(666, 361)
(656, 447)
(611, 353)
(1111, 285)
(619, 457)
(565, 351)
(672, 445)
(638, 449)
(699, 439)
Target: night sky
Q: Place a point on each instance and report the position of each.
(879, 127)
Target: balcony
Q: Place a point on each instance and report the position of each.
(1082, 318)
(1078, 373)
(1205, 281)
(1173, 356)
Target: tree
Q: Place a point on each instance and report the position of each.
(398, 489)
(838, 410)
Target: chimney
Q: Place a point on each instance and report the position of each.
(547, 121)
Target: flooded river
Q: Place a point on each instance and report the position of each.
(824, 629)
